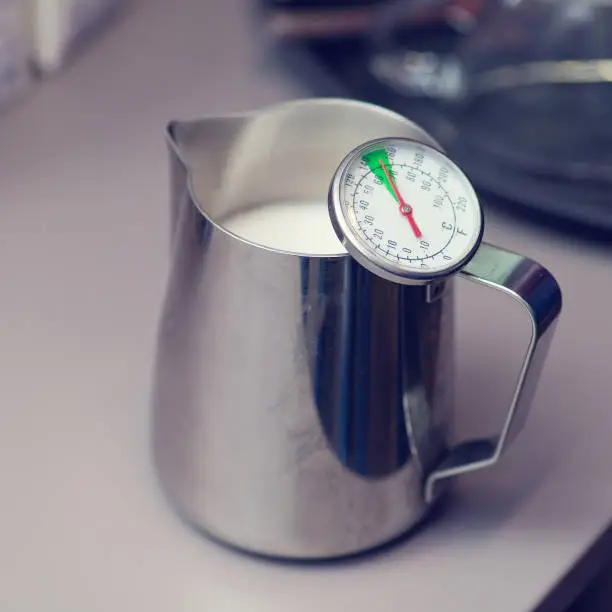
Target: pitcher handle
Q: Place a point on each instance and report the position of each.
(534, 287)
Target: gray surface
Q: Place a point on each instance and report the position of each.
(83, 245)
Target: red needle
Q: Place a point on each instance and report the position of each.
(405, 209)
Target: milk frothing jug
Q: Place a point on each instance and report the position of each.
(303, 385)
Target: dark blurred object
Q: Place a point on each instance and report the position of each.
(324, 19)
(518, 91)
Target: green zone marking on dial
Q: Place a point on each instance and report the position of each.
(374, 159)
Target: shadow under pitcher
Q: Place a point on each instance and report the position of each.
(303, 386)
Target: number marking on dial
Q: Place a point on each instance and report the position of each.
(411, 206)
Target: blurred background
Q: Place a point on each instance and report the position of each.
(518, 91)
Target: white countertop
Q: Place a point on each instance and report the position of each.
(83, 527)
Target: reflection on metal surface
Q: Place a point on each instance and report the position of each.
(298, 400)
(444, 77)
(540, 73)
(301, 403)
(374, 364)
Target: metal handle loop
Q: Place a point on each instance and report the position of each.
(534, 287)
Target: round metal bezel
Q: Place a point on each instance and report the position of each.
(357, 247)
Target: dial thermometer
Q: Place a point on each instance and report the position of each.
(405, 211)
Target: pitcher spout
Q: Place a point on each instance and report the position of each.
(198, 151)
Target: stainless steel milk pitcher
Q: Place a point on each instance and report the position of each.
(301, 402)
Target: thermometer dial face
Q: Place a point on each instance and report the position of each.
(405, 211)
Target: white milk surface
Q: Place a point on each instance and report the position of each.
(297, 227)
